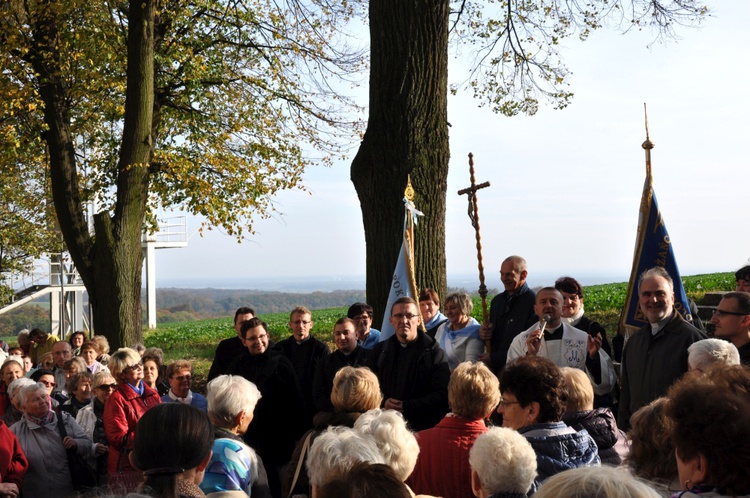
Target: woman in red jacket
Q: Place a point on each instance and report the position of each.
(122, 411)
(13, 463)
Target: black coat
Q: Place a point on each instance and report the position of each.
(417, 375)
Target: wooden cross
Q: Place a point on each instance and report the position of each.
(474, 217)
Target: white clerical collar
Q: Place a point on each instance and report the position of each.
(188, 400)
(656, 327)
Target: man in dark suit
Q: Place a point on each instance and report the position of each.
(229, 349)
(511, 312)
(655, 355)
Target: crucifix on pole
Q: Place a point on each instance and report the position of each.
(471, 191)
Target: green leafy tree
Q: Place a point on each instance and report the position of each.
(209, 105)
(513, 47)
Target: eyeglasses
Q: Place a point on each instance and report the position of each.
(107, 387)
(301, 322)
(401, 316)
(506, 404)
(48, 383)
(181, 378)
(256, 338)
(721, 313)
(135, 366)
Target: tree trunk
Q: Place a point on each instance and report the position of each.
(118, 253)
(407, 134)
(110, 265)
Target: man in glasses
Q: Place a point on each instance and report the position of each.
(229, 349)
(412, 369)
(304, 351)
(655, 355)
(732, 322)
(280, 417)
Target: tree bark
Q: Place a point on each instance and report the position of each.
(407, 134)
(109, 264)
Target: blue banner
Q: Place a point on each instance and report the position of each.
(400, 287)
(653, 248)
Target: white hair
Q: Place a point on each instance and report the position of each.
(595, 482)
(27, 390)
(228, 396)
(504, 461)
(702, 354)
(336, 451)
(17, 384)
(396, 442)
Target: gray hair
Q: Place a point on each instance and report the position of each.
(17, 384)
(396, 442)
(228, 396)
(656, 271)
(595, 482)
(336, 451)
(462, 300)
(702, 354)
(504, 461)
(25, 391)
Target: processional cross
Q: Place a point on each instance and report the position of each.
(474, 217)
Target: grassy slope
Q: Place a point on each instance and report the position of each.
(196, 341)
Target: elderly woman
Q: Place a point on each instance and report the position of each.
(172, 448)
(10, 371)
(396, 442)
(91, 420)
(334, 453)
(13, 414)
(711, 430)
(79, 387)
(180, 376)
(13, 463)
(45, 448)
(503, 464)
(231, 402)
(123, 409)
(429, 306)
(89, 354)
(102, 349)
(599, 423)
(459, 336)
(651, 455)
(46, 377)
(355, 391)
(154, 373)
(76, 341)
(602, 482)
(473, 394)
(708, 352)
(534, 394)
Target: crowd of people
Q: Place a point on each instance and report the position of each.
(429, 411)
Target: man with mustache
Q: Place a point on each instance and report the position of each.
(656, 355)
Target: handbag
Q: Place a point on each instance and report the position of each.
(124, 480)
(83, 476)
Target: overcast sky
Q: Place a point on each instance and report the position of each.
(566, 185)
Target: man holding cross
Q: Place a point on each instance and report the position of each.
(511, 312)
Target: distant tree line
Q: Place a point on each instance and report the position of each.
(178, 305)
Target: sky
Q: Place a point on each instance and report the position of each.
(565, 184)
